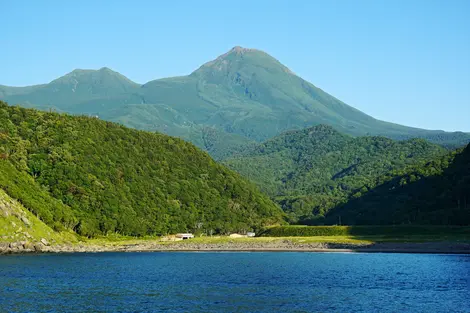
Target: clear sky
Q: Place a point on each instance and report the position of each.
(405, 61)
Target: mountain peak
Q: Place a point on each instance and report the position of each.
(237, 48)
(78, 71)
(107, 69)
(81, 71)
(238, 57)
(93, 76)
(241, 50)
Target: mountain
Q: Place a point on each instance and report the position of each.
(6, 91)
(310, 171)
(97, 177)
(434, 192)
(244, 95)
(78, 91)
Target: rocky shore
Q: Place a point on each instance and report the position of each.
(282, 245)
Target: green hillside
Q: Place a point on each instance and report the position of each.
(97, 177)
(434, 192)
(311, 171)
(245, 95)
(17, 224)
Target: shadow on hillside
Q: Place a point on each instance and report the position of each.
(437, 200)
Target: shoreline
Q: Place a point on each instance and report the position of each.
(234, 246)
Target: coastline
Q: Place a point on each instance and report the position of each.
(243, 246)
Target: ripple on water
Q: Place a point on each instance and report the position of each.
(235, 282)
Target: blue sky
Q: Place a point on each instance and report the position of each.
(402, 61)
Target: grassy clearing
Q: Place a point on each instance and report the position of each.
(360, 235)
(331, 239)
(385, 232)
(362, 240)
(228, 240)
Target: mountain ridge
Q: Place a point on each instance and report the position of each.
(243, 92)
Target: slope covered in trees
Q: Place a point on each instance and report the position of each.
(433, 192)
(244, 94)
(311, 171)
(97, 177)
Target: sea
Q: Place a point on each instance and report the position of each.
(235, 282)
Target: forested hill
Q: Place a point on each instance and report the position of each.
(97, 177)
(434, 192)
(313, 170)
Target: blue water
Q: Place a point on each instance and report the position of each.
(235, 282)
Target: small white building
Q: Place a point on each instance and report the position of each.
(185, 236)
(236, 236)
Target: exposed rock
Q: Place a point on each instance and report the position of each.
(26, 221)
(4, 246)
(28, 246)
(13, 245)
(37, 247)
(45, 242)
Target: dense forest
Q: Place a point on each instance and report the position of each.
(97, 177)
(311, 171)
(434, 192)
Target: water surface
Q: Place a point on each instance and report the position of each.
(235, 282)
